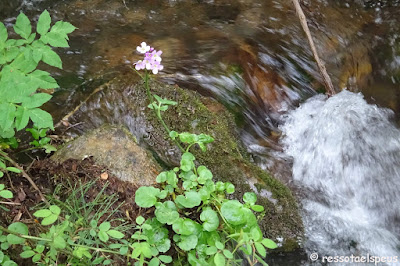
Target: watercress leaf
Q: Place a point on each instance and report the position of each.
(154, 262)
(105, 226)
(55, 209)
(166, 213)
(162, 177)
(140, 220)
(219, 259)
(257, 208)
(227, 254)
(163, 245)
(232, 211)
(115, 234)
(19, 228)
(260, 249)
(188, 242)
(41, 118)
(211, 250)
(204, 174)
(39, 248)
(49, 219)
(268, 243)
(43, 24)
(13, 169)
(190, 200)
(173, 134)
(6, 194)
(220, 186)
(145, 197)
(188, 138)
(23, 26)
(229, 187)
(250, 197)
(203, 138)
(165, 258)
(172, 179)
(42, 213)
(210, 219)
(2, 186)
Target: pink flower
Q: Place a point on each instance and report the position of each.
(151, 60)
(143, 48)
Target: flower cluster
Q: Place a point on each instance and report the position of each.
(152, 58)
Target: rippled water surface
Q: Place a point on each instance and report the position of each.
(251, 55)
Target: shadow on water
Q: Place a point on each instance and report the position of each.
(251, 55)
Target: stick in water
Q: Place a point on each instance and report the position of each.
(327, 80)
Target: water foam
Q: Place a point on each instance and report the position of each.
(346, 162)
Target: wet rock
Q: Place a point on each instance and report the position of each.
(115, 148)
(123, 101)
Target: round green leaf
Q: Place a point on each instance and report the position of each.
(250, 198)
(190, 200)
(165, 258)
(257, 208)
(6, 194)
(219, 245)
(268, 243)
(27, 254)
(140, 220)
(227, 254)
(233, 212)
(105, 226)
(145, 197)
(163, 245)
(55, 209)
(219, 259)
(59, 242)
(154, 262)
(210, 219)
(17, 227)
(49, 219)
(42, 213)
(115, 234)
(166, 213)
(211, 250)
(103, 236)
(230, 188)
(188, 242)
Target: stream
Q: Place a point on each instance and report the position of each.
(340, 156)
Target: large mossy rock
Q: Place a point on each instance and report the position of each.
(122, 101)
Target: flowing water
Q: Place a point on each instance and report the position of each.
(346, 158)
(252, 56)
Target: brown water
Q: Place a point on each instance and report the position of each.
(251, 55)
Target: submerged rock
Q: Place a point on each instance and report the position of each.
(123, 102)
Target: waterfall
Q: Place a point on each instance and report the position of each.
(346, 164)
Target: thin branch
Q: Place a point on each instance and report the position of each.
(327, 80)
(24, 174)
(9, 203)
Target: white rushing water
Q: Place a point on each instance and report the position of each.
(346, 162)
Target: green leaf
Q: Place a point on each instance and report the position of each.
(49, 219)
(103, 236)
(232, 211)
(219, 259)
(268, 243)
(166, 212)
(188, 242)
(115, 234)
(154, 262)
(19, 228)
(42, 213)
(211, 250)
(260, 249)
(49, 148)
(105, 226)
(55, 209)
(250, 198)
(36, 100)
(23, 26)
(43, 24)
(190, 200)
(257, 208)
(59, 242)
(57, 36)
(41, 119)
(3, 33)
(51, 58)
(14, 170)
(145, 197)
(36, 258)
(1, 256)
(230, 188)
(210, 219)
(204, 174)
(7, 115)
(256, 233)
(219, 245)
(165, 258)
(140, 220)
(187, 137)
(227, 254)
(173, 134)
(6, 194)
(21, 118)
(27, 254)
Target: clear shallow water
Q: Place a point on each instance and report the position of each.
(346, 160)
(251, 55)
